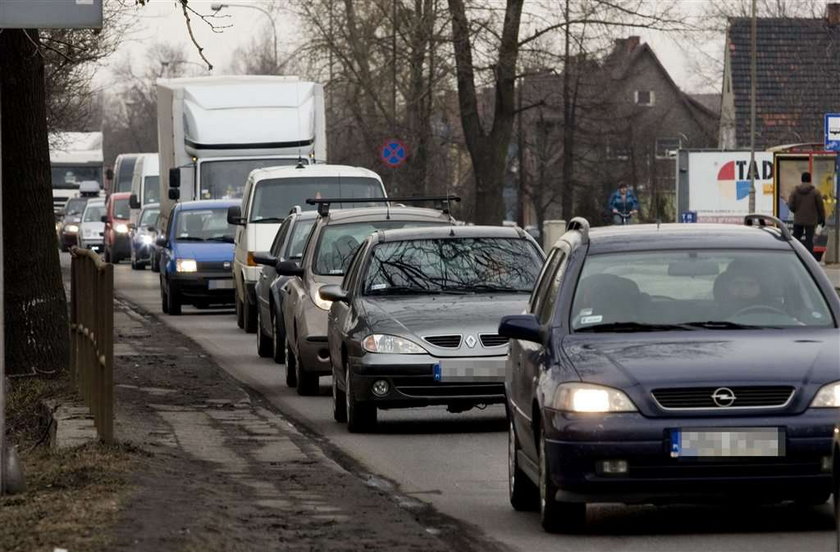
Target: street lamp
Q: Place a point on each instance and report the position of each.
(217, 7)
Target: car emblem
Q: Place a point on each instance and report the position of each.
(227, 264)
(470, 340)
(723, 397)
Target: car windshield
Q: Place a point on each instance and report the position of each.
(297, 241)
(151, 189)
(204, 225)
(226, 179)
(93, 213)
(122, 210)
(274, 198)
(69, 177)
(75, 206)
(714, 289)
(338, 242)
(478, 265)
(149, 218)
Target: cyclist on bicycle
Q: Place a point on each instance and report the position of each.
(623, 204)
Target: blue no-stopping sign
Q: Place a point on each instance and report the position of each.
(393, 153)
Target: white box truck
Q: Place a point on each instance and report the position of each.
(213, 131)
(74, 157)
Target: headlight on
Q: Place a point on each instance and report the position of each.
(71, 228)
(828, 396)
(146, 239)
(380, 343)
(320, 303)
(186, 265)
(588, 397)
(121, 228)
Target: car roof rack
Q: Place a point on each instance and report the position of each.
(296, 210)
(758, 219)
(581, 225)
(324, 203)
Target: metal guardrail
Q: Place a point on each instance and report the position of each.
(92, 336)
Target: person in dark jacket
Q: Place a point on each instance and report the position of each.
(806, 204)
(623, 202)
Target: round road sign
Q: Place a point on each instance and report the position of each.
(393, 153)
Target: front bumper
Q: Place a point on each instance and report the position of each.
(69, 239)
(121, 245)
(575, 443)
(425, 380)
(212, 287)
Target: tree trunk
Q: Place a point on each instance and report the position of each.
(37, 338)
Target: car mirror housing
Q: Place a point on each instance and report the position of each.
(234, 216)
(288, 268)
(104, 218)
(333, 292)
(133, 201)
(174, 194)
(161, 241)
(265, 258)
(522, 326)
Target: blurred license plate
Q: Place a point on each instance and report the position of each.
(729, 442)
(219, 284)
(490, 369)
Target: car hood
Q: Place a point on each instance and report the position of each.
(204, 251)
(642, 362)
(432, 315)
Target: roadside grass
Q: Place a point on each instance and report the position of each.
(72, 496)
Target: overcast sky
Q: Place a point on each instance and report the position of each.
(163, 21)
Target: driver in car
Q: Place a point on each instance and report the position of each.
(738, 289)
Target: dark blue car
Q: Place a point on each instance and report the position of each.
(196, 253)
(673, 363)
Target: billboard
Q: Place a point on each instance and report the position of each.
(719, 185)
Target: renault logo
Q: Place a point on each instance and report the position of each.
(470, 341)
(723, 397)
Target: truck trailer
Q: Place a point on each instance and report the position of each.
(213, 131)
(74, 157)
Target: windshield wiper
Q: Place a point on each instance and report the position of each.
(269, 219)
(634, 327)
(490, 287)
(401, 290)
(189, 238)
(723, 325)
(226, 239)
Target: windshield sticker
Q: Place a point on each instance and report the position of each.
(585, 312)
(816, 315)
(375, 287)
(591, 319)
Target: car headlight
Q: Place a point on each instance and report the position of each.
(320, 303)
(186, 265)
(381, 343)
(828, 396)
(121, 228)
(588, 397)
(71, 228)
(146, 239)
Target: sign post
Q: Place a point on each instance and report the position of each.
(832, 143)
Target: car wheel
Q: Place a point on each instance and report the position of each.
(249, 316)
(307, 384)
(291, 366)
(106, 255)
(134, 264)
(556, 516)
(339, 400)
(361, 416)
(173, 301)
(264, 345)
(278, 340)
(524, 495)
(240, 320)
(153, 264)
(164, 301)
(63, 246)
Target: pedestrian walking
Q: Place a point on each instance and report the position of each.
(806, 204)
(623, 204)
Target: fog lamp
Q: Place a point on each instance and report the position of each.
(611, 467)
(380, 388)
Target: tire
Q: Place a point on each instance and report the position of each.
(173, 301)
(557, 516)
(291, 366)
(106, 255)
(307, 384)
(249, 316)
(524, 495)
(278, 339)
(339, 402)
(134, 264)
(240, 320)
(164, 301)
(361, 417)
(153, 263)
(265, 347)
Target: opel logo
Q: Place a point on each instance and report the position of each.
(723, 397)
(470, 341)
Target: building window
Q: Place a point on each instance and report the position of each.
(666, 148)
(644, 97)
(617, 150)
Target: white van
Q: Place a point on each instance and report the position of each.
(145, 183)
(91, 227)
(269, 195)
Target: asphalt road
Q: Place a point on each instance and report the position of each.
(459, 462)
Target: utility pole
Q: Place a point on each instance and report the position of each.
(394, 87)
(753, 72)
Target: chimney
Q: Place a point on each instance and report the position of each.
(832, 13)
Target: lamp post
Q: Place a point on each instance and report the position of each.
(217, 7)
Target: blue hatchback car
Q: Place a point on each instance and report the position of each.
(673, 363)
(196, 254)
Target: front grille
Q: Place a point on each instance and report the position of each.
(493, 340)
(745, 397)
(213, 266)
(446, 341)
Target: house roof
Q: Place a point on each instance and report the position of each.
(798, 71)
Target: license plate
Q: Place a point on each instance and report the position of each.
(470, 370)
(219, 284)
(727, 443)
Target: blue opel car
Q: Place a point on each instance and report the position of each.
(196, 254)
(674, 363)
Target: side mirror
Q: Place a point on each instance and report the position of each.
(133, 202)
(174, 194)
(109, 174)
(333, 292)
(288, 268)
(174, 179)
(161, 241)
(234, 216)
(103, 218)
(265, 258)
(522, 326)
